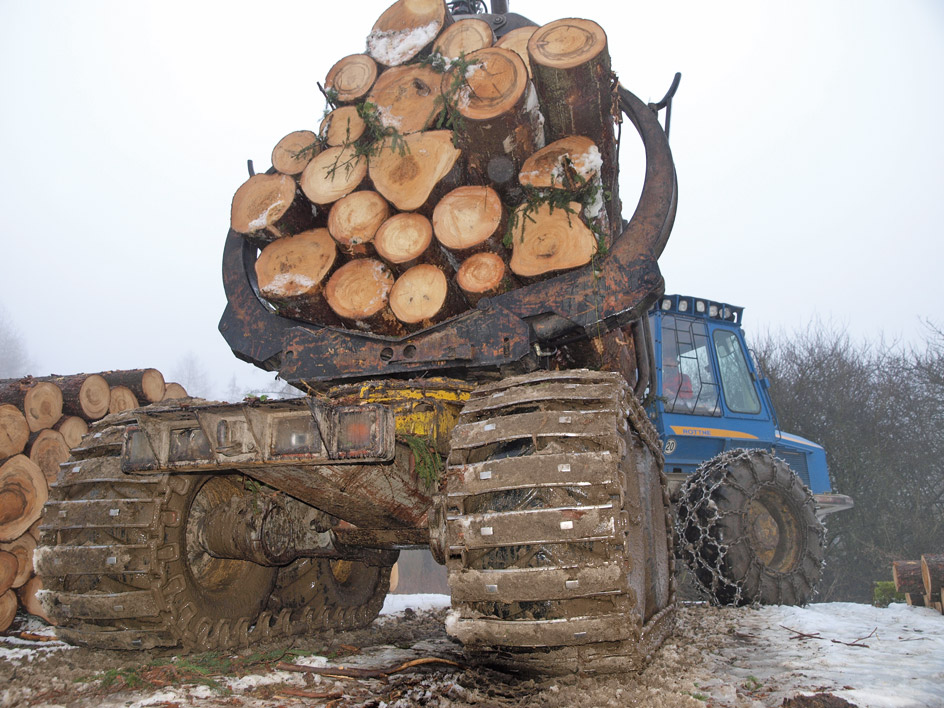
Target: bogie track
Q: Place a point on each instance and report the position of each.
(554, 526)
(122, 569)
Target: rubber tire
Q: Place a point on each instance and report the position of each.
(747, 528)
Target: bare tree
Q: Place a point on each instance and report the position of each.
(14, 361)
(878, 412)
(190, 373)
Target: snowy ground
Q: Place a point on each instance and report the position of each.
(724, 658)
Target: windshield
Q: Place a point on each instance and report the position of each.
(689, 384)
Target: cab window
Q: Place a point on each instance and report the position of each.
(689, 383)
(736, 380)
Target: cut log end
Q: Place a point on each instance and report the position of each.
(407, 98)
(29, 599)
(174, 391)
(481, 273)
(545, 241)
(352, 77)
(495, 84)
(293, 152)
(8, 568)
(14, 431)
(566, 43)
(568, 163)
(49, 450)
(73, 429)
(42, 405)
(359, 289)
(122, 399)
(93, 397)
(260, 202)
(419, 294)
(342, 126)
(8, 607)
(22, 549)
(467, 217)
(932, 573)
(354, 219)
(405, 29)
(295, 267)
(464, 37)
(23, 491)
(333, 174)
(403, 238)
(406, 178)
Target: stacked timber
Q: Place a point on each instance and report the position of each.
(921, 580)
(450, 166)
(41, 420)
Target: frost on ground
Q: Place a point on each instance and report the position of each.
(724, 658)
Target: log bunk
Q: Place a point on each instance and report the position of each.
(41, 420)
(451, 166)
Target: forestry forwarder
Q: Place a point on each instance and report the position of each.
(509, 439)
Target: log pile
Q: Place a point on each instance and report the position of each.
(41, 420)
(450, 166)
(921, 580)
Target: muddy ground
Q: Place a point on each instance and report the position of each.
(699, 666)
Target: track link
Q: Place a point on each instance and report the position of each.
(554, 524)
(118, 573)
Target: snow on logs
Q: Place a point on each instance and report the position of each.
(451, 165)
(41, 420)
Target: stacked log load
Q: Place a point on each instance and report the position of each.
(41, 420)
(921, 580)
(449, 167)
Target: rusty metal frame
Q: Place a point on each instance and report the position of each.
(502, 331)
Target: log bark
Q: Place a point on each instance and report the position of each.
(291, 154)
(499, 124)
(342, 126)
(463, 37)
(406, 30)
(291, 273)
(22, 548)
(352, 77)
(907, 577)
(174, 391)
(29, 599)
(14, 431)
(122, 399)
(267, 207)
(914, 599)
(48, 451)
(83, 395)
(7, 609)
(423, 296)
(545, 241)
(333, 174)
(470, 220)
(407, 178)
(932, 573)
(359, 292)
(40, 401)
(408, 98)
(146, 384)
(8, 568)
(570, 65)
(353, 220)
(402, 240)
(483, 275)
(72, 428)
(517, 41)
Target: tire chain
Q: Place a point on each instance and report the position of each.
(192, 634)
(696, 509)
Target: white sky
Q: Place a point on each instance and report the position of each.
(808, 138)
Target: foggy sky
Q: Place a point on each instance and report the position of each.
(807, 138)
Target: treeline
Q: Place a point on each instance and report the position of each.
(878, 409)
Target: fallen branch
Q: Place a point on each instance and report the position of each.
(816, 635)
(299, 693)
(342, 672)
